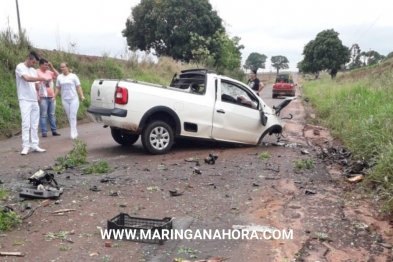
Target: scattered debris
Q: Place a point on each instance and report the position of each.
(63, 211)
(42, 178)
(106, 180)
(192, 159)
(146, 169)
(310, 192)
(34, 193)
(108, 244)
(196, 171)
(123, 205)
(255, 184)
(269, 166)
(113, 193)
(45, 203)
(211, 159)
(175, 192)
(317, 132)
(386, 245)
(15, 254)
(95, 189)
(256, 228)
(213, 259)
(93, 254)
(304, 152)
(356, 179)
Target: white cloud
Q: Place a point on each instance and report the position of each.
(267, 27)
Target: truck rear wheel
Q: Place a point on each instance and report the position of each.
(123, 138)
(157, 137)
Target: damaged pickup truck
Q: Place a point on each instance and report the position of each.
(197, 104)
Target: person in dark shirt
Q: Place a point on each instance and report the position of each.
(254, 82)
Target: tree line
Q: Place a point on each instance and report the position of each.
(191, 31)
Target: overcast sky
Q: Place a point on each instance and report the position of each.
(267, 27)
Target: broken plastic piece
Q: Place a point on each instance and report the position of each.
(33, 193)
(356, 179)
(211, 159)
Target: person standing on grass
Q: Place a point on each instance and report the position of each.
(27, 85)
(69, 86)
(254, 82)
(47, 106)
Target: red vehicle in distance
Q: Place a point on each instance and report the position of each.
(284, 86)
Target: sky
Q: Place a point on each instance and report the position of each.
(93, 27)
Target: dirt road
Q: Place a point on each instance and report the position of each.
(329, 219)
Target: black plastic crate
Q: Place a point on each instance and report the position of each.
(155, 226)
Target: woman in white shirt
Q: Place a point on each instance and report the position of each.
(69, 86)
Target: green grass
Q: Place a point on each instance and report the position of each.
(264, 155)
(98, 168)
(304, 163)
(10, 219)
(358, 109)
(76, 157)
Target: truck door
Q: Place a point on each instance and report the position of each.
(232, 120)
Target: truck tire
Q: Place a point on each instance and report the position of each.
(122, 138)
(157, 137)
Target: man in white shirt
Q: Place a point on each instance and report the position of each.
(27, 84)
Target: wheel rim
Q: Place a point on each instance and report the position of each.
(159, 138)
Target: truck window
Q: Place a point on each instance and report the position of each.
(193, 83)
(232, 93)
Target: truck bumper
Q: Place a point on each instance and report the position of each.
(95, 114)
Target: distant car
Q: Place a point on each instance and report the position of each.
(284, 86)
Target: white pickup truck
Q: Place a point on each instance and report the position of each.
(198, 104)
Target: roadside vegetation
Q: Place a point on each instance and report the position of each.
(8, 218)
(358, 109)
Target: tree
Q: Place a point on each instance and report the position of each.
(255, 61)
(279, 62)
(165, 26)
(219, 51)
(326, 52)
(390, 55)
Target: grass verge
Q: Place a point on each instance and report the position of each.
(358, 110)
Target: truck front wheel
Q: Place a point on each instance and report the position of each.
(157, 137)
(123, 138)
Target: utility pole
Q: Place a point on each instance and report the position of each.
(17, 13)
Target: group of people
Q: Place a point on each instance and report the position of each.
(37, 99)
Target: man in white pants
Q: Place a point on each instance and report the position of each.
(27, 84)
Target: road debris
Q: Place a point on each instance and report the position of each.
(63, 211)
(213, 259)
(42, 178)
(192, 159)
(211, 159)
(93, 254)
(175, 192)
(356, 178)
(95, 189)
(304, 152)
(197, 171)
(34, 193)
(14, 254)
(386, 245)
(108, 244)
(113, 193)
(310, 192)
(106, 180)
